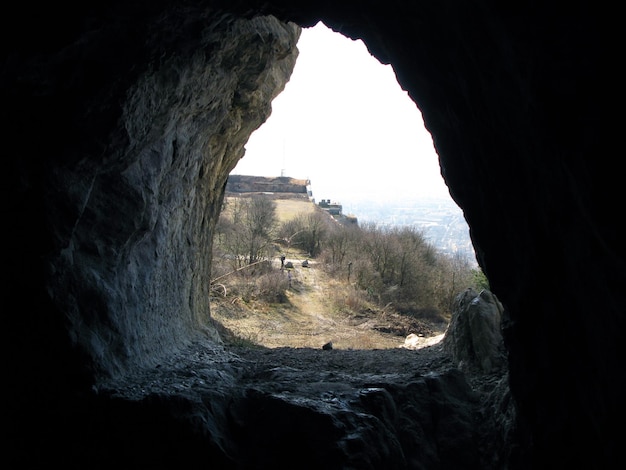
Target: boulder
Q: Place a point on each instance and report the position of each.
(474, 337)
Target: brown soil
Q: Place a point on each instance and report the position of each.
(318, 311)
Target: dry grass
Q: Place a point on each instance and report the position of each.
(310, 309)
(287, 209)
(316, 309)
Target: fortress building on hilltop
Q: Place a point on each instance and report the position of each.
(267, 184)
(284, 187)
(333, 208)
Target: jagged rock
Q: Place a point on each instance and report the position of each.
(474, 336)
(356, 409)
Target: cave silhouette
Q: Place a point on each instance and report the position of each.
(122, 121)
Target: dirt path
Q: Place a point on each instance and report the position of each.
(315, 314)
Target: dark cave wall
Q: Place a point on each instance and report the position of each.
(514, 96)
(129, 117)
(130, 125)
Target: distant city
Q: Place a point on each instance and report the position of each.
(440, 220)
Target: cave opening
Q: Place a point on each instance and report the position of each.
(344, 125)
(113, 148)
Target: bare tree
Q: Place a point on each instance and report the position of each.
(245, 229)
(306, 231)
(259, 221)
(337, 243)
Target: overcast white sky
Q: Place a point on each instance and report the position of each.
(344, 122)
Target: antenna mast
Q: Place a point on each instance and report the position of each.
(282, 171)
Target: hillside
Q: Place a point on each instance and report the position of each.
(317, 308)
(312, 316)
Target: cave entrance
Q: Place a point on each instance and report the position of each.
(343, 122)
(345, 130)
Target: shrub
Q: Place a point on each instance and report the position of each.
(480, 280)
(272, 287)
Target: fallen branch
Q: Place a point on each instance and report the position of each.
(236, 270)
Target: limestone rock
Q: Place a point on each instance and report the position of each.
(412, 341)
(185, 122)
(474, 336)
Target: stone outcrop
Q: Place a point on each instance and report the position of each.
(123, 121)
(162, 167)
(474, 337)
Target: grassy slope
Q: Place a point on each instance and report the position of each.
(317, 308)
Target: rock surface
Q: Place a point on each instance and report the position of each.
(474, 336)
(390, 408)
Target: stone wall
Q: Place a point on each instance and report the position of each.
(261, 184)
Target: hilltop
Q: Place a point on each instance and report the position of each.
(239, 184)
(293, 196)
